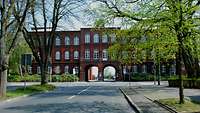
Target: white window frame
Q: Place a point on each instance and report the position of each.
(66, 69)
(96, 38)
(96, 54)
(163, 68)
(87, 38)
(58, 55)
(87, 54)
(144, 68)
(30, 70)
(38, 70)
(57, 69)
(112, 38)
(135, 68)
(49, 70)
(76, 54)
(173, 69)
(67, 55)
(67, 40)
(76, 40)
(58, 41)
(105, 38)
(105, 55)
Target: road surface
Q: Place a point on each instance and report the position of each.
(96, 97)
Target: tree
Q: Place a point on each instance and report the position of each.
(11, 25)
(15, 57)
(177, 17)
(43, 13)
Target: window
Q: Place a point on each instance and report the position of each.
(105, 55)
(76, 40)
(96, 38)
(38, 70)
(87, 38)
(113, 38)
(49, 70)
(47, 40)
(96, 54)
(67, 40)
(57, 70)
(163, 69)
(30, 70)
(135, 68)
(87, 54)
(144, 69)
(76, 54)
(58, 55)
(124, 69)
(66, 55)
(66, 69)
(173, 69)
(58, 41)
(105, 38)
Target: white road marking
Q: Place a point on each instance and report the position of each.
(71, 97)
(84, 90)
(79, 93)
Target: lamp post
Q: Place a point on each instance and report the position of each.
(129, 70)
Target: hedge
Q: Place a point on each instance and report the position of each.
(37, 78)
(187, 83)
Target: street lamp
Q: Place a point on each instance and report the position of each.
(129, 70)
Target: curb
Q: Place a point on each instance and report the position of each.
(131, 103)
(171, 110)
(165, 106)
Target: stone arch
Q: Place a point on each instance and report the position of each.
(117, 70)
(87, 75)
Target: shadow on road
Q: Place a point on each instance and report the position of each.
(81, 107)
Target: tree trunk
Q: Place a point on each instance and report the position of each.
(197, 68)
(44, 75)
(3, 76)
(189, 62)
(178, 65)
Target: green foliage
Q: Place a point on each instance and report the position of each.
(27, 78)
(37, 78)
(64, 78)
(189, 106)
(99, 23)
(15, 57)
(30, 90)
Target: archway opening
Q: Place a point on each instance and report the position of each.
(109, 73)
(92, 73)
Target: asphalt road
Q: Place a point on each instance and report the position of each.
(73, 98)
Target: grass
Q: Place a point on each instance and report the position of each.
(28, 90)
(187, 107)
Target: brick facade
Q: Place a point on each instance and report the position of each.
(81, 65)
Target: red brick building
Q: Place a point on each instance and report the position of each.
(75, 52)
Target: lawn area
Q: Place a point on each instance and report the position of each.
(187, 107)
(28, 90)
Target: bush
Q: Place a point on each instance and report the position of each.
(150, 77)
(28, 78)
(64, 78)
(187, 83)
(37, 78)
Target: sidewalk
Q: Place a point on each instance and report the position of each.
(144, 104)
